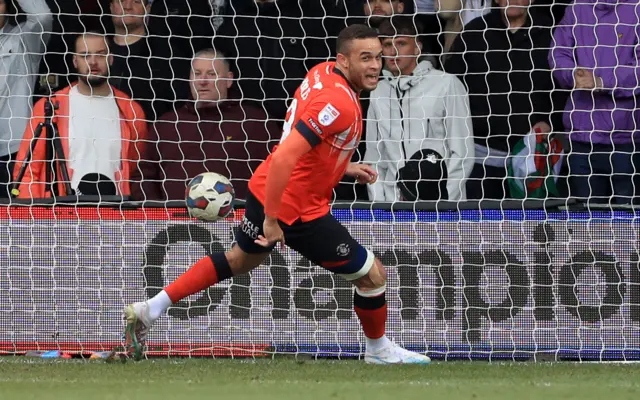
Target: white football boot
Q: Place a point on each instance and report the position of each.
(138, 324)
(394, 354)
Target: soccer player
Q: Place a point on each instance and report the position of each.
(289, 195)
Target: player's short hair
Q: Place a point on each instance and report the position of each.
(213, 54)
(351, 33)
(399, 25)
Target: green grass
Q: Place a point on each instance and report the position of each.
(23, 378)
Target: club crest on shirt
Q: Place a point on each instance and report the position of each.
(327, 115)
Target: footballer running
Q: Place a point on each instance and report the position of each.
(289, 196)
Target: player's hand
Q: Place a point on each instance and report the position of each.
(272, 233)
(362, 173)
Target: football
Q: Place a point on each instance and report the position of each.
(210, 197)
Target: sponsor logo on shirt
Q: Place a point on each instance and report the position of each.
(314, 126)
(327, 115)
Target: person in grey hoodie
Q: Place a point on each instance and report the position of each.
(21, 48)
(595, 56)
(416, 107)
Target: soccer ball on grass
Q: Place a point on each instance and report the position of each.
(210, 197)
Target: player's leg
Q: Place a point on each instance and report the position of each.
(328, 243)
(208, 271)
(371, 307)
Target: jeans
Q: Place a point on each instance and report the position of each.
(603, 173)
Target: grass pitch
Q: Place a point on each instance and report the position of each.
(23, 378)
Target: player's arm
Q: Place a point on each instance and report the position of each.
(283, 161)
(323, 117)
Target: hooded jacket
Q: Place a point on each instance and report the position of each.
(428, 109)
(21, 49)
(602, 36)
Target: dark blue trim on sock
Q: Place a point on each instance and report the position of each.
(220, 263)
(369, 303)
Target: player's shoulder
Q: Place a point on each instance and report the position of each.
(329, 86)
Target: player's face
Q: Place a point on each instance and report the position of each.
(364, 63)
(92, 59)
(401, 54)
(515, 8)
(129, 13)
(210, 80)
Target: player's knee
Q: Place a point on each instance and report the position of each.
(377, 274)
(234, 259)
(375, 278)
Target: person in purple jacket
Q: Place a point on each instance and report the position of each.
(595, 54)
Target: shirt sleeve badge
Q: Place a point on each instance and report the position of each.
(327, 115)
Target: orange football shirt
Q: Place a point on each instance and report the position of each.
(326, 110)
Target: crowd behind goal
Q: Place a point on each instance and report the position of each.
(479, 99)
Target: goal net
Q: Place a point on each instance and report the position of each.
(542, 278)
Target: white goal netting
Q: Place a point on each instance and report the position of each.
(521, 240)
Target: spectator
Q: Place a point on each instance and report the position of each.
(425, 6)
(275, 43)
(502, 59)
(415, 108)
(23, 45)
(457, 14)
(600, 67)
(100, 128)
(377, 11)
(211, 133)
(145, 67)
(187, 24)
(57, 62)
(553, 8)
(430, 30)
(372, 13)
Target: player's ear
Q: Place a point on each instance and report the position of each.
(418, 47)
(342, 60)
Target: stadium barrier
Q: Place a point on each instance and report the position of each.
(559, 282)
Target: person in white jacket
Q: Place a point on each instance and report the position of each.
(416, 107)
(22, 46)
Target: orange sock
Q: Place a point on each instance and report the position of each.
(206, 272)
(372, 312)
